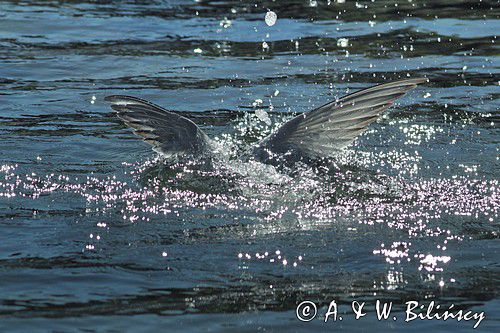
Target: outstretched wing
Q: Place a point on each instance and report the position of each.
(167, 132)
(333, 126)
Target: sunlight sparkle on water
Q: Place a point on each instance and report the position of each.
(274, 202)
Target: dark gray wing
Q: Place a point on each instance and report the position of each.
(324, 131)
(167, 132)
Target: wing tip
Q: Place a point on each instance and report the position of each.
(120, 99)
(112, 98)
(415, 81)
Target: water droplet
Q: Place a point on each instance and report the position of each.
(271, 18)
(263, 116)
(343, 42)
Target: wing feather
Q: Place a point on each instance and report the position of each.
(168, 132)
(324, 131)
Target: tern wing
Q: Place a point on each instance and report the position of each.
(324, 131)
(168, 132)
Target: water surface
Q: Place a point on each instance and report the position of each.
(98, 234)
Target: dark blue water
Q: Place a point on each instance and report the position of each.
(99, 234)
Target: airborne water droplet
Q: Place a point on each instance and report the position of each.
(343, 42)
(263, 116)
(271, 18)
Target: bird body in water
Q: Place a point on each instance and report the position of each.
(317, 134)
